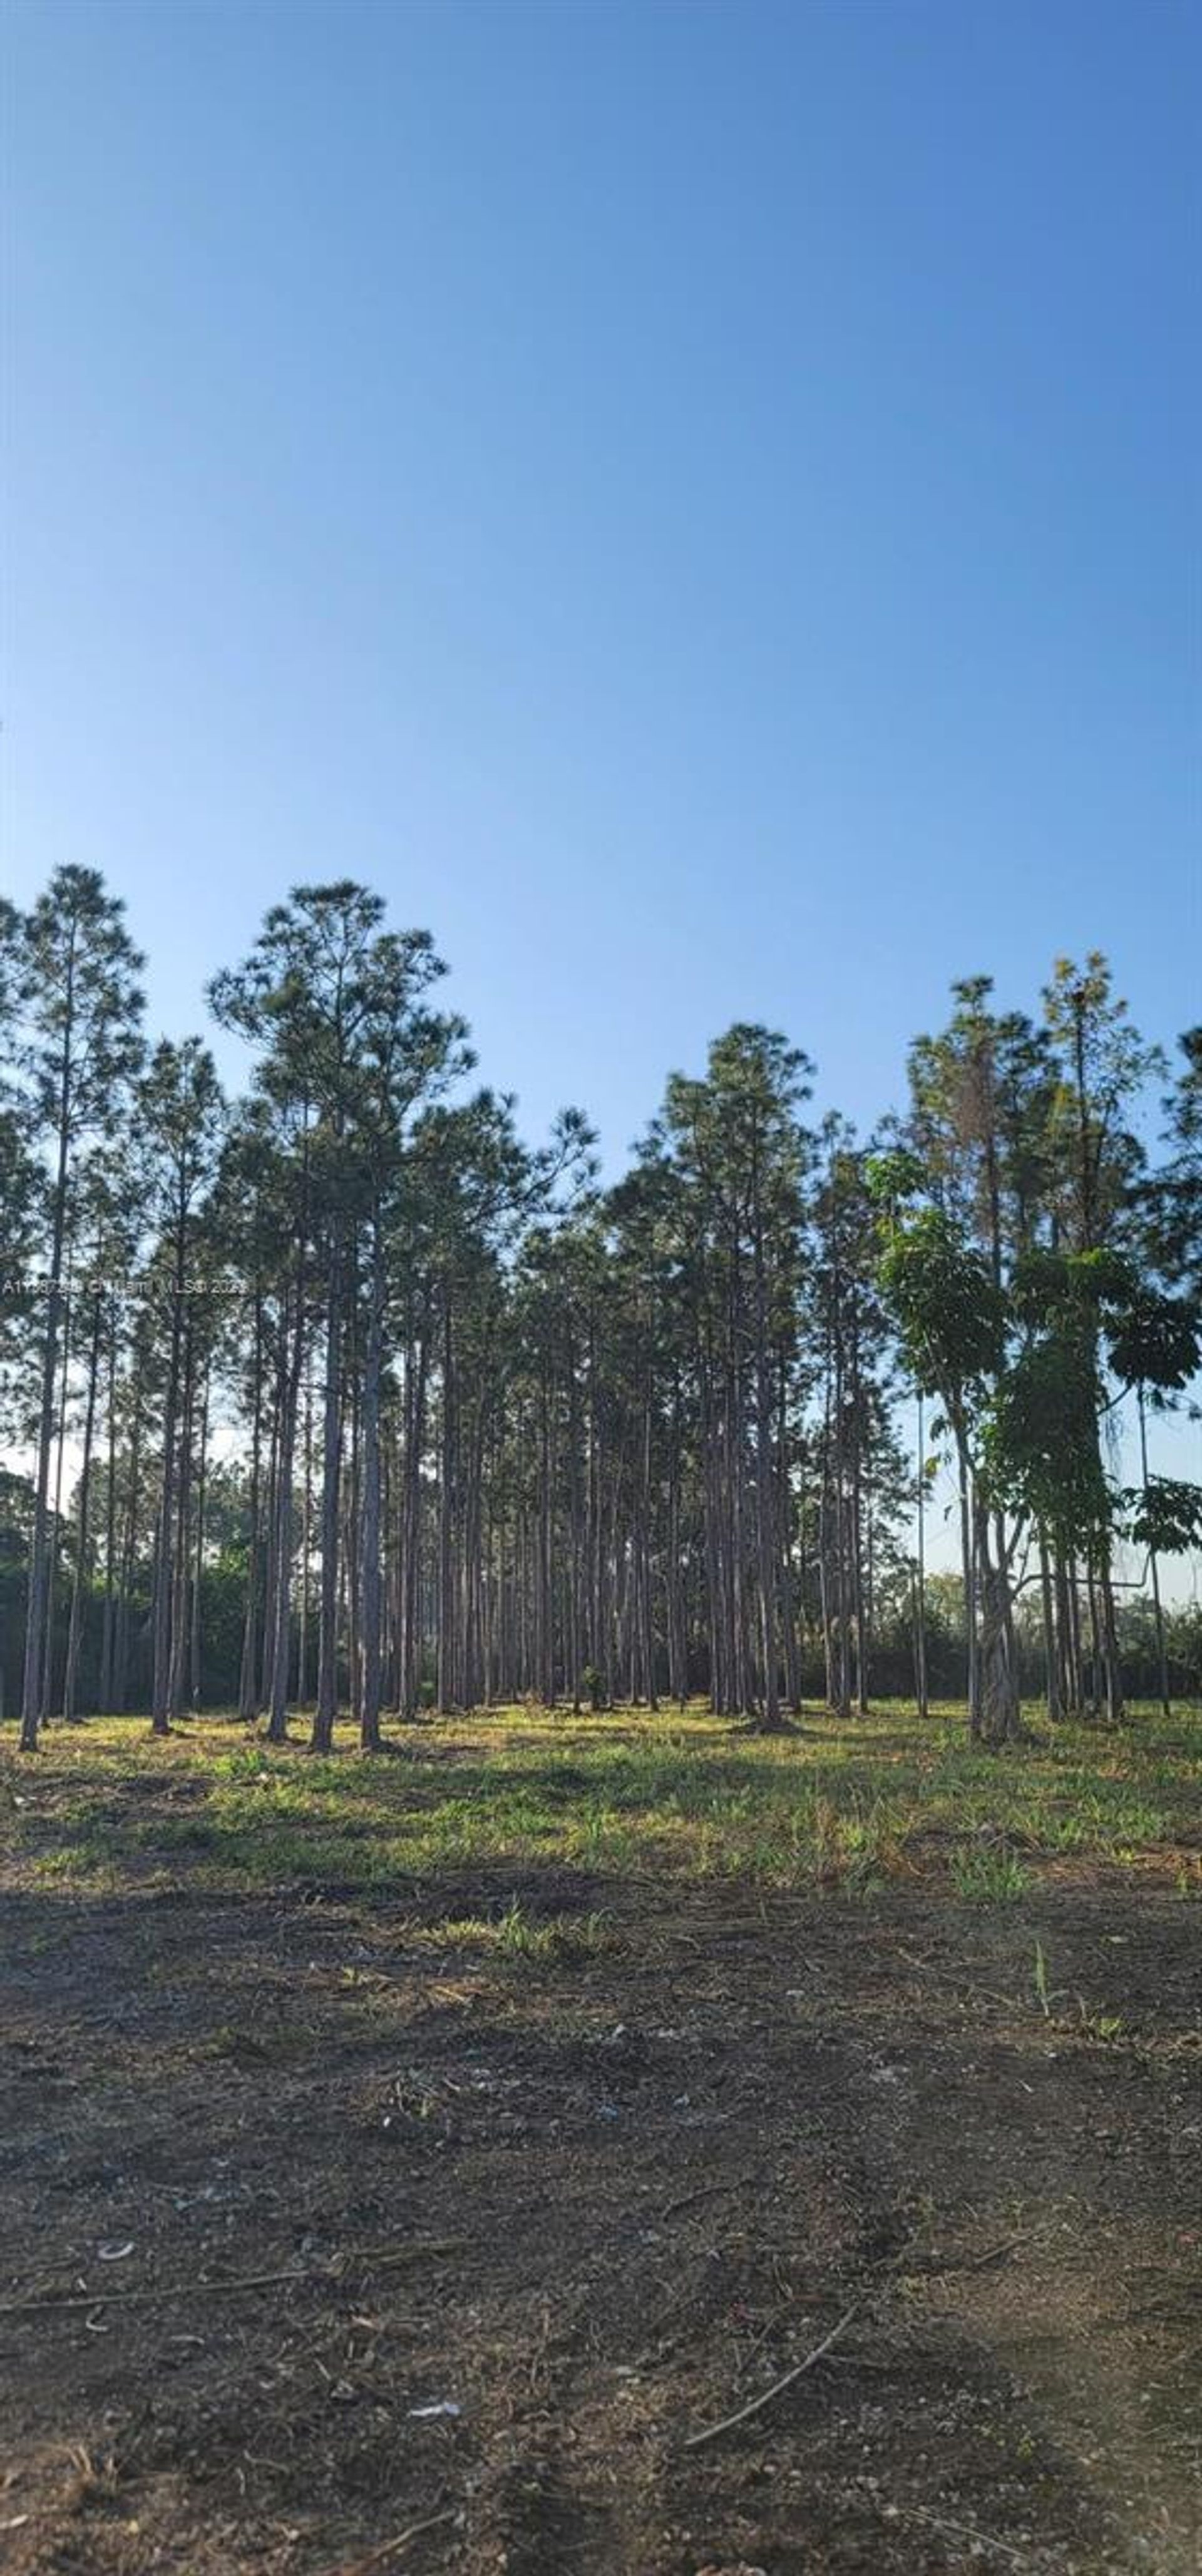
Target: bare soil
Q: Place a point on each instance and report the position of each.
(324, 2229)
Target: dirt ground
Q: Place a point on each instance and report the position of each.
(333, 2240)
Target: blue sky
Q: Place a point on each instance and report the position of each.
(699, 503)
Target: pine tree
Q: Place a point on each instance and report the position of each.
(83, 1013)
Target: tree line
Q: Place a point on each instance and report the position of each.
(347, 1392)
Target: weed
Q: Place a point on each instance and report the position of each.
(1041, 1981)
(1099, 2025)
(988, 1876)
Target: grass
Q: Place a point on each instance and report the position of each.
(842, 1805)
(989, 1877)
(517, 1934)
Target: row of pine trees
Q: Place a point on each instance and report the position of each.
(466, 1426)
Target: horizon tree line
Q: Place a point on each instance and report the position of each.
(383, 1407)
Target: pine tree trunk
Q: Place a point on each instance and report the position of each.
(110, 1521)
(82, 1527)
(54, 1534)
(129, 1555)
(164, 1564)
(370, 1629)
(248, 1694)
(182, 1546)
(202, 1462)
(765, 1499)
(326, 1708)
(281, 1635)
(35, 1611)
(446, 1521)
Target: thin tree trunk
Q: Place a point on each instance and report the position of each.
(129, 1553)
(1052, 1695)
(54, 1534)
(35, 1613)
(1000, 1721)
(969, 1557)
(161, 1696)
(331, 1471)
(202, 1462)
(920, 1603)
(281, 1642)
(765, 1483)
(370, 1633)
(110, 1520)
(82, 1527)
(248, 1694)
(1154, 1569)
(182, 1548)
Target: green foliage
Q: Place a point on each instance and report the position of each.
(1154, 1340)
(951, 1315)
(1040, 1448)
(1022, 1350)
(1166, 1515)
(1169, 1202)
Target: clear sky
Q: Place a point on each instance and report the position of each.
(699, 503)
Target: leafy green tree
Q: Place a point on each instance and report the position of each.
(1025, 1369)
(952, 1318)
(1169, 1203)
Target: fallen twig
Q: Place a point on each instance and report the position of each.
(217, 2289)
(934, 2261)
(388, 2255)
(389, 2548)
(144, 2298)
(689, 2199)
(755, 2405)
(971, 2531)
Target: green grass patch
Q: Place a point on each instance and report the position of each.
(988, 1876)
(841, 1806)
